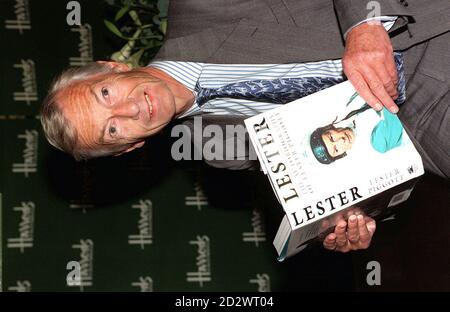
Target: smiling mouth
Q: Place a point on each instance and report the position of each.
(149, 103)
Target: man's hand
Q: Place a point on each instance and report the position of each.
(354, 235)
(369, 64)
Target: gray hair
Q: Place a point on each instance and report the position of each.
(57, 128)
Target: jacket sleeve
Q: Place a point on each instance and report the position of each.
(222, 149)
(352, 12)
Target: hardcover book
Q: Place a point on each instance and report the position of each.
(328, 154)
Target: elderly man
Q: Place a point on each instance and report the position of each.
(108, 109)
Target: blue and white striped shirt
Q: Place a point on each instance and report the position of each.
(217, 75)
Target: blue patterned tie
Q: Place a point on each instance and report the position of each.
(278, 91)
(401, 85)
(283, 90)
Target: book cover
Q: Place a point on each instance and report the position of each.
(327, 152)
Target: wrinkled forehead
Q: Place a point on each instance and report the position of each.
(77, 103)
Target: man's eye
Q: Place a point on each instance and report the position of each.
(112, 131)
(105, 92)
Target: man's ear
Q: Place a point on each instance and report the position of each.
(118, 67)
(132, 147)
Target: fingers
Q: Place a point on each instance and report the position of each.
(341, 235)
(392, 71)
(371, 225)
(378, 89)
(364, 235)
(330, 242)
(353, 230)
(352, 235)
(389, 83)
(363, 89)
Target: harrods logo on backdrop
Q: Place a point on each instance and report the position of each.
(84, 202)
(258, 234)
(202, 261)
(86, 260)
(21, 20)
(29, 92)
(144, 224)
(29, 155)
(198, 200)
(25, 227)
(85, 48)
(263, 282)
(145, 284)
(21, 286)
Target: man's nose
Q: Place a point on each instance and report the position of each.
(341, 145)
(126, 109)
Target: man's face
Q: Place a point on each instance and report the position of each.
(338, 140)
(118, 109)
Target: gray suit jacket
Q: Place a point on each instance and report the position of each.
(281, 31)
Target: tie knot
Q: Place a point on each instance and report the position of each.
(203, 94)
